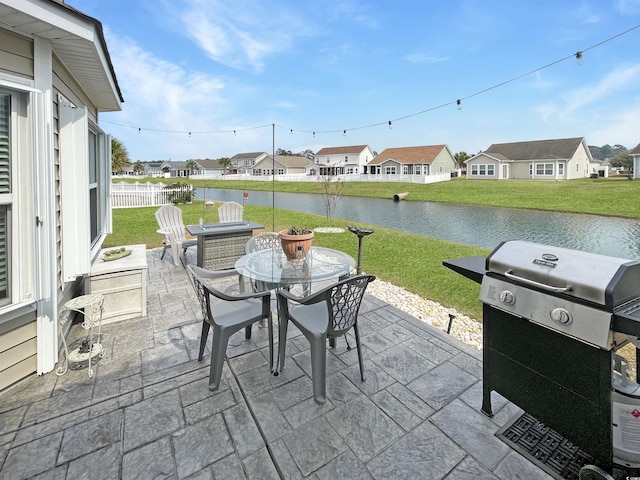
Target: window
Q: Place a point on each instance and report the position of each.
(6, 198)
(561, 169)
(417, 169)
(531, 169)
(390, 170)
(483, 170)
(281, 171)
(544, 168)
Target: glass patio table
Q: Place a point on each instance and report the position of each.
(271, 266)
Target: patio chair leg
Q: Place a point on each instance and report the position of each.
(319, 368)
(218, 354)
(359, 348)
(283, 324)
(247, 333)
(203, 339)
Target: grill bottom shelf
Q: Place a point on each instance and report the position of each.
(544, 447)
(547, 449)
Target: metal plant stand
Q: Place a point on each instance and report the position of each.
(361, 233)
(91, 307)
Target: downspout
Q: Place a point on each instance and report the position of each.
(44, 198)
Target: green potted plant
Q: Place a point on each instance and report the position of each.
(296, 242)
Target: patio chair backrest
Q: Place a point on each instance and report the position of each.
(230, 212)
(169, 219)
(344, 299)
(262, 241)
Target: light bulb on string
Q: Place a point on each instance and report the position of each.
(314, 134)
(291, 131)
(344, 133)
(579, 58)
(390, 126)
(234, 132)
(139, 130)
(459, 103)
(189, 134)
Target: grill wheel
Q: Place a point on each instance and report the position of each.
(591, 472)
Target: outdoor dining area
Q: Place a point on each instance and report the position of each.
(273, 368)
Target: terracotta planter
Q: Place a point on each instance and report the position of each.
(295, 247)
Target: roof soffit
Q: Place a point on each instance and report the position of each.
(75, 40)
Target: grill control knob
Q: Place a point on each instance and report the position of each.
(561, 316)
(507, 297)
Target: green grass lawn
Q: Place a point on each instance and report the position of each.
(410, 261)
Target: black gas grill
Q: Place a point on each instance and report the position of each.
(551, 317)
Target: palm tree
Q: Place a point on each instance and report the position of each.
(138, 168)
(225, 163)
(119, 156)
(461, 157)
(192, 166)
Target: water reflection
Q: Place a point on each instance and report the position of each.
(472, 225)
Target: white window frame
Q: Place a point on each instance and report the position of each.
(21, 207)
(544, 169)
(390, 170)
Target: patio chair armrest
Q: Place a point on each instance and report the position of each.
(308, 300)
(210, 274)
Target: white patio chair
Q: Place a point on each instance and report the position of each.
(230, 212)
(170, 222)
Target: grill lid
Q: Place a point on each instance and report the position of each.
(606, 281)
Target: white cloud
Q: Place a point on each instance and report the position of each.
(242, 33)
(578, 99)
(166, 101)
(423, 58)
(621, 128)
(627, 7)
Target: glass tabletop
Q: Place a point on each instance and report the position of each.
(272, 266)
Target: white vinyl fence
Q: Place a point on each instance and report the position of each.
(124, 195)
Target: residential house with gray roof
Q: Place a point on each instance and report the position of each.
(556, 159)
(243, 163)
(283, 165)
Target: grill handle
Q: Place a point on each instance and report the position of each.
(509, 274)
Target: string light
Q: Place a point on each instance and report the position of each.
(578, 56)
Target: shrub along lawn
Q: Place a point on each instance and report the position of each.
(410, 261)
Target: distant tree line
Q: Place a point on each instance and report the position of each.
(617, 155)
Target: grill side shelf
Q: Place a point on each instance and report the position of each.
(472, 268)
(626, 318)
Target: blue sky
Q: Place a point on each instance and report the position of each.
(210, 67)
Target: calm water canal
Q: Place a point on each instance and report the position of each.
(482, 227)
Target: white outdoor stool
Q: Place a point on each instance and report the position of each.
(91, 307)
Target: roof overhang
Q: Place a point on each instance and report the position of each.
(76, 39)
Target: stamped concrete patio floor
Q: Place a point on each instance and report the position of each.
(147, 412)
